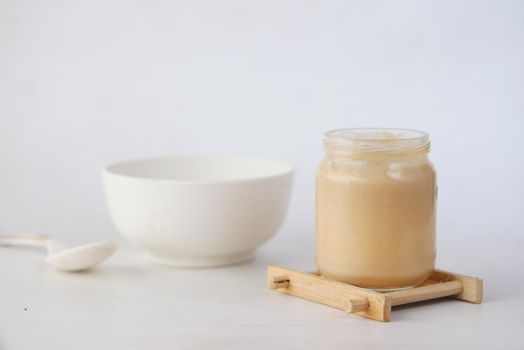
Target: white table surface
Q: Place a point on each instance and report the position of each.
(129, 304)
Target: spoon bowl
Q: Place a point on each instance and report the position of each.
(59, 256)
(83, 257)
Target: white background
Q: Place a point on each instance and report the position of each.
(86, 83)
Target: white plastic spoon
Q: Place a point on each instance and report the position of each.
(62, 258)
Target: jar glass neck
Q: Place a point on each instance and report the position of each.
(376, 143)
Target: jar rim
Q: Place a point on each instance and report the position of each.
(376, 139)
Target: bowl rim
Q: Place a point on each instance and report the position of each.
(107, 171)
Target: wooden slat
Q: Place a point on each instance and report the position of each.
(472, 287)
(332, 293)
(425, 292)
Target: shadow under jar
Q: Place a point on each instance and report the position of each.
(375, 208)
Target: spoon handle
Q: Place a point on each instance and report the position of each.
(26, 240)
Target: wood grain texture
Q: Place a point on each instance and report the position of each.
(472, 287)
(366, 302)
(340, 295)
(425, 292)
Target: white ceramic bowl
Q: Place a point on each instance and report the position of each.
(198, 211)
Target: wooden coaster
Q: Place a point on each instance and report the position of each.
(369, 303)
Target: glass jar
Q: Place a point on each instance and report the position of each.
(375, 208)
